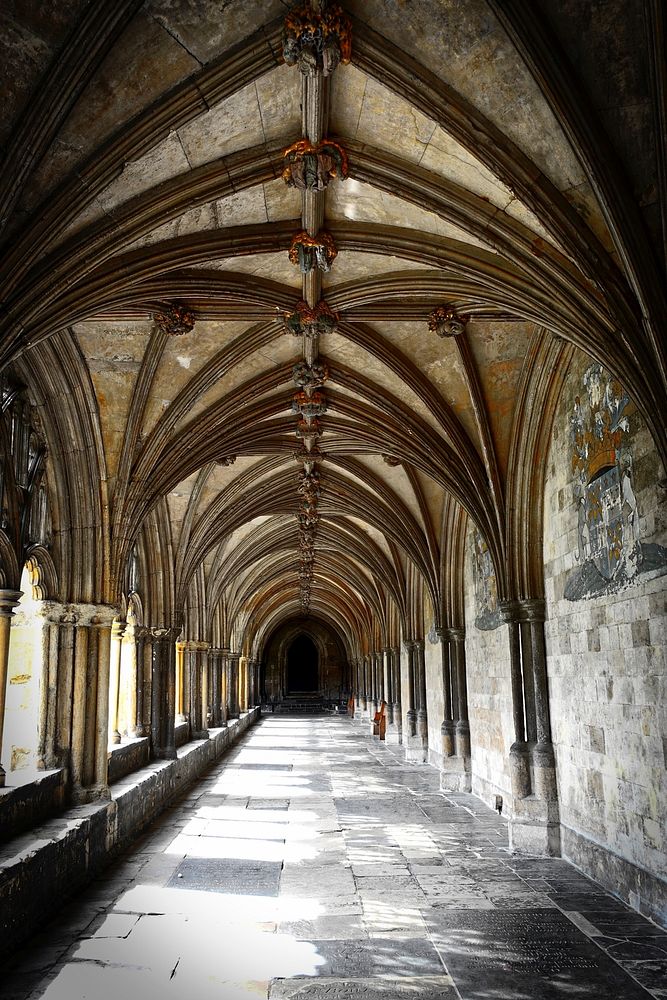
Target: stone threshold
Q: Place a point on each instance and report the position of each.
(42, 869)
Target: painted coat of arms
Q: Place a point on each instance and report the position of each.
(486, 593)
(610, 552)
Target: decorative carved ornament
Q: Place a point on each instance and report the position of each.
(313, 405)
(391, 460)
(309, 458)
(310, 376)
(308, 430)
(317, 40)
(227, 460)
(307, 322)
(311, 252)
(310, 168)
(444, 321)
(175, 319)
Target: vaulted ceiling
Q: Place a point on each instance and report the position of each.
(144, 169)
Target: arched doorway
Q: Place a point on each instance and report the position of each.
(302, 666)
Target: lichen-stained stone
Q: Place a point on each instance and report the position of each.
(29, 38)
(362, 203)
(207, 29)
(124, 84)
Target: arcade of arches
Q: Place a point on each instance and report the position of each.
(333, 369)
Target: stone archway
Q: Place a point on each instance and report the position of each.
(303, 674)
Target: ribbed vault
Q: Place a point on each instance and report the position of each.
(177, 447)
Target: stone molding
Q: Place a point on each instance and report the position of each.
(528, 609)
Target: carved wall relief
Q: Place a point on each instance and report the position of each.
(311, 167)
(610, 550)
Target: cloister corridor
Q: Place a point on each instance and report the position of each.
(312, 861)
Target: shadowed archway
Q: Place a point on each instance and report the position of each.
(302, 666)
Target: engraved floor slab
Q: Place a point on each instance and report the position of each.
(537, 954)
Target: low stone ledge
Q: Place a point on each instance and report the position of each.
(128, 756)
(24, 806)
(181, 734)
(640, 889)
(41, 870)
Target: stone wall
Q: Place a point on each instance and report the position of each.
(489, 692)
(606, 605)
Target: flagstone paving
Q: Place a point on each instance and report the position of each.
(314, 862)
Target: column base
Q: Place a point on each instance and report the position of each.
(90, 793)
(535, 824)
(393, 734)
(201, 734)
(535, 827)
(455, 774)
(165, 753)
(447, 737)
(416, 749)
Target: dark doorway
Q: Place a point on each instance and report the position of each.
(302, 664)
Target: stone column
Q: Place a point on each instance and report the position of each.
(519, 766)
(416, 740)
(224, 713)
(181, 714)
(377, 674)
(101, 624)
(50, 613)
(462, 737)
(365, 695)
(214, 671)
(233, 675)
(140, 728)
(243, 683)
(117, 632)
(79, 714)
(205, 688)
(163, 691)
(356, 666)
(395, 729)
(447, 726)
(542, 752)
(129, 679)
(196, 671)
(411, 714)
(386, 685)
(253, 683)
(535, 822)
(8, 601)
(420, 684)
(455, 773)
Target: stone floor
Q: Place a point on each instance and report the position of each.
(315, 863)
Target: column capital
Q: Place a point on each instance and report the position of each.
(216, 651)
(118, 628)
(419, 645)
(527, 609)
(458, 633)
(161, 633)
(195, 646)
(8, 601)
